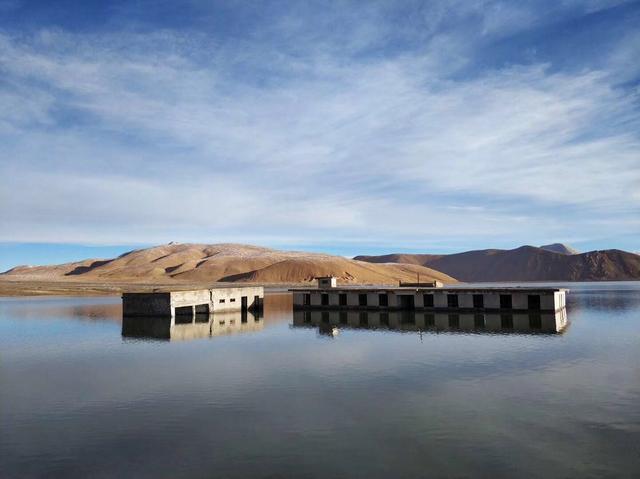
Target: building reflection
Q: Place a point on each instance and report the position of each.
(182, 328)
(330, 322)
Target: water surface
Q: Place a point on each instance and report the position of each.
(323, 396)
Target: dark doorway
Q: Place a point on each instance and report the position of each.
(244, 304)
(452, 300)
(506, 301)
(478, 301)
(407, 301)
(184, 311)
(533, 302)
(362, 299)
(506, 321)
(324, 300)
(383, 300)
(478, 321)
(454, 321)
(342, 299)
(428, 300)
(307, 299)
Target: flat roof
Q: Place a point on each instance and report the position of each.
(172, 291)
(370, 289)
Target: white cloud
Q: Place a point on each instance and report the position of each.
(132, 137)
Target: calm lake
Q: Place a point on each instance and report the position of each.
(82, 395)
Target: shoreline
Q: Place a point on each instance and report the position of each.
(34, 288)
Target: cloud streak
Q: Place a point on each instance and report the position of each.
(290, 137)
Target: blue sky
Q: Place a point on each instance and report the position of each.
(345, 127)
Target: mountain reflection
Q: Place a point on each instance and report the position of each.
(330, 322)
(182, 328)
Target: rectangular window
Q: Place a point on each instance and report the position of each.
(362, 299)
(478, 301)
(232, 300)
(533, 302)
(307, 316)
(307, 299)
(383, 299)
(222, 300)
(452, 300)
(342, 299)
(428, 300)
(506, 301)
(324, 300)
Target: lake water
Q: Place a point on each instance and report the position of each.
(362, 396)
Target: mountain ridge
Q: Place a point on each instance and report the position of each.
(525, 263)
(223, 262)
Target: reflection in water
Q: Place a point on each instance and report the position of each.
(329, 322)
(191, 327)
(79, 401)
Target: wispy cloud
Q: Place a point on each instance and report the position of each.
(389, 131)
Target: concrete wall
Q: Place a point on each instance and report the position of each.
(230, 299)
(550, 300)
(146, 304)
(191, 302)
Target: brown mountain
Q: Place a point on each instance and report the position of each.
(560, 248)
(203, 263)
(526, 263)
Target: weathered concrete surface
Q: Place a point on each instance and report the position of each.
(461, 299)
(187, 303)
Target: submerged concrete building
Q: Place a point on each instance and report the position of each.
(435, 298)
(189, 303)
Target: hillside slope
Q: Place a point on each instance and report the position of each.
(224, 262)
(527, 263)
(559, 248)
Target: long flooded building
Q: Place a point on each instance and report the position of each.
(328, 295)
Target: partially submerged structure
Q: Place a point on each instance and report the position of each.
(189, 303)
(540, 299)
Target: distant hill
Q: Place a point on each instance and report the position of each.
(527, 263)
(559, 248)
(207, 263)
